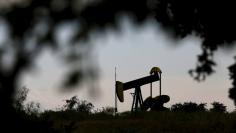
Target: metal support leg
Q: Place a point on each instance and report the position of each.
(137, 100)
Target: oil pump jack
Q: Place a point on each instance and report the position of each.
(155, 103)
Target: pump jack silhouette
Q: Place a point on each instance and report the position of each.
(155, 103)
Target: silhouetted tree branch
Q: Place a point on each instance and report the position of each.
(32, 25)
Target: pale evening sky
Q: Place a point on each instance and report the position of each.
(134, 51)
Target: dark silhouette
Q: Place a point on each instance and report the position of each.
(38, 20)
(82, 106)
(71, 103)
(211, 21)
(158, 103)
(197, 119)
(189, 107)
(218, 107)
(107, 110)
(73, 117)
(154, 104)
(20, 98)
(232, 91)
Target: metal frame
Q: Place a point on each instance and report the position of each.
(137, 99)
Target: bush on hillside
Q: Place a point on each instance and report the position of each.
(189, 107)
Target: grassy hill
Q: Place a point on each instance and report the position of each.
(145, 122)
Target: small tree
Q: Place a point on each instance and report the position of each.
(71, 103)
(218, 107)
(78, 105)
(188, 107)
(20, 98)
(32, 108)
(108, 110)
(178, 107)
(84, 107)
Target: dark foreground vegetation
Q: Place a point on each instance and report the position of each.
(79, 116)
(31, 29)
(70, 121)
(160, 122)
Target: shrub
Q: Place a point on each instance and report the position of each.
(218, 107)
(20, 97)
(188, 107)
(78, 105)
(108, 110)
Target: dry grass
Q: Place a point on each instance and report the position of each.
(161, 122)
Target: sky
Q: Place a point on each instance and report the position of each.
(134, 51)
